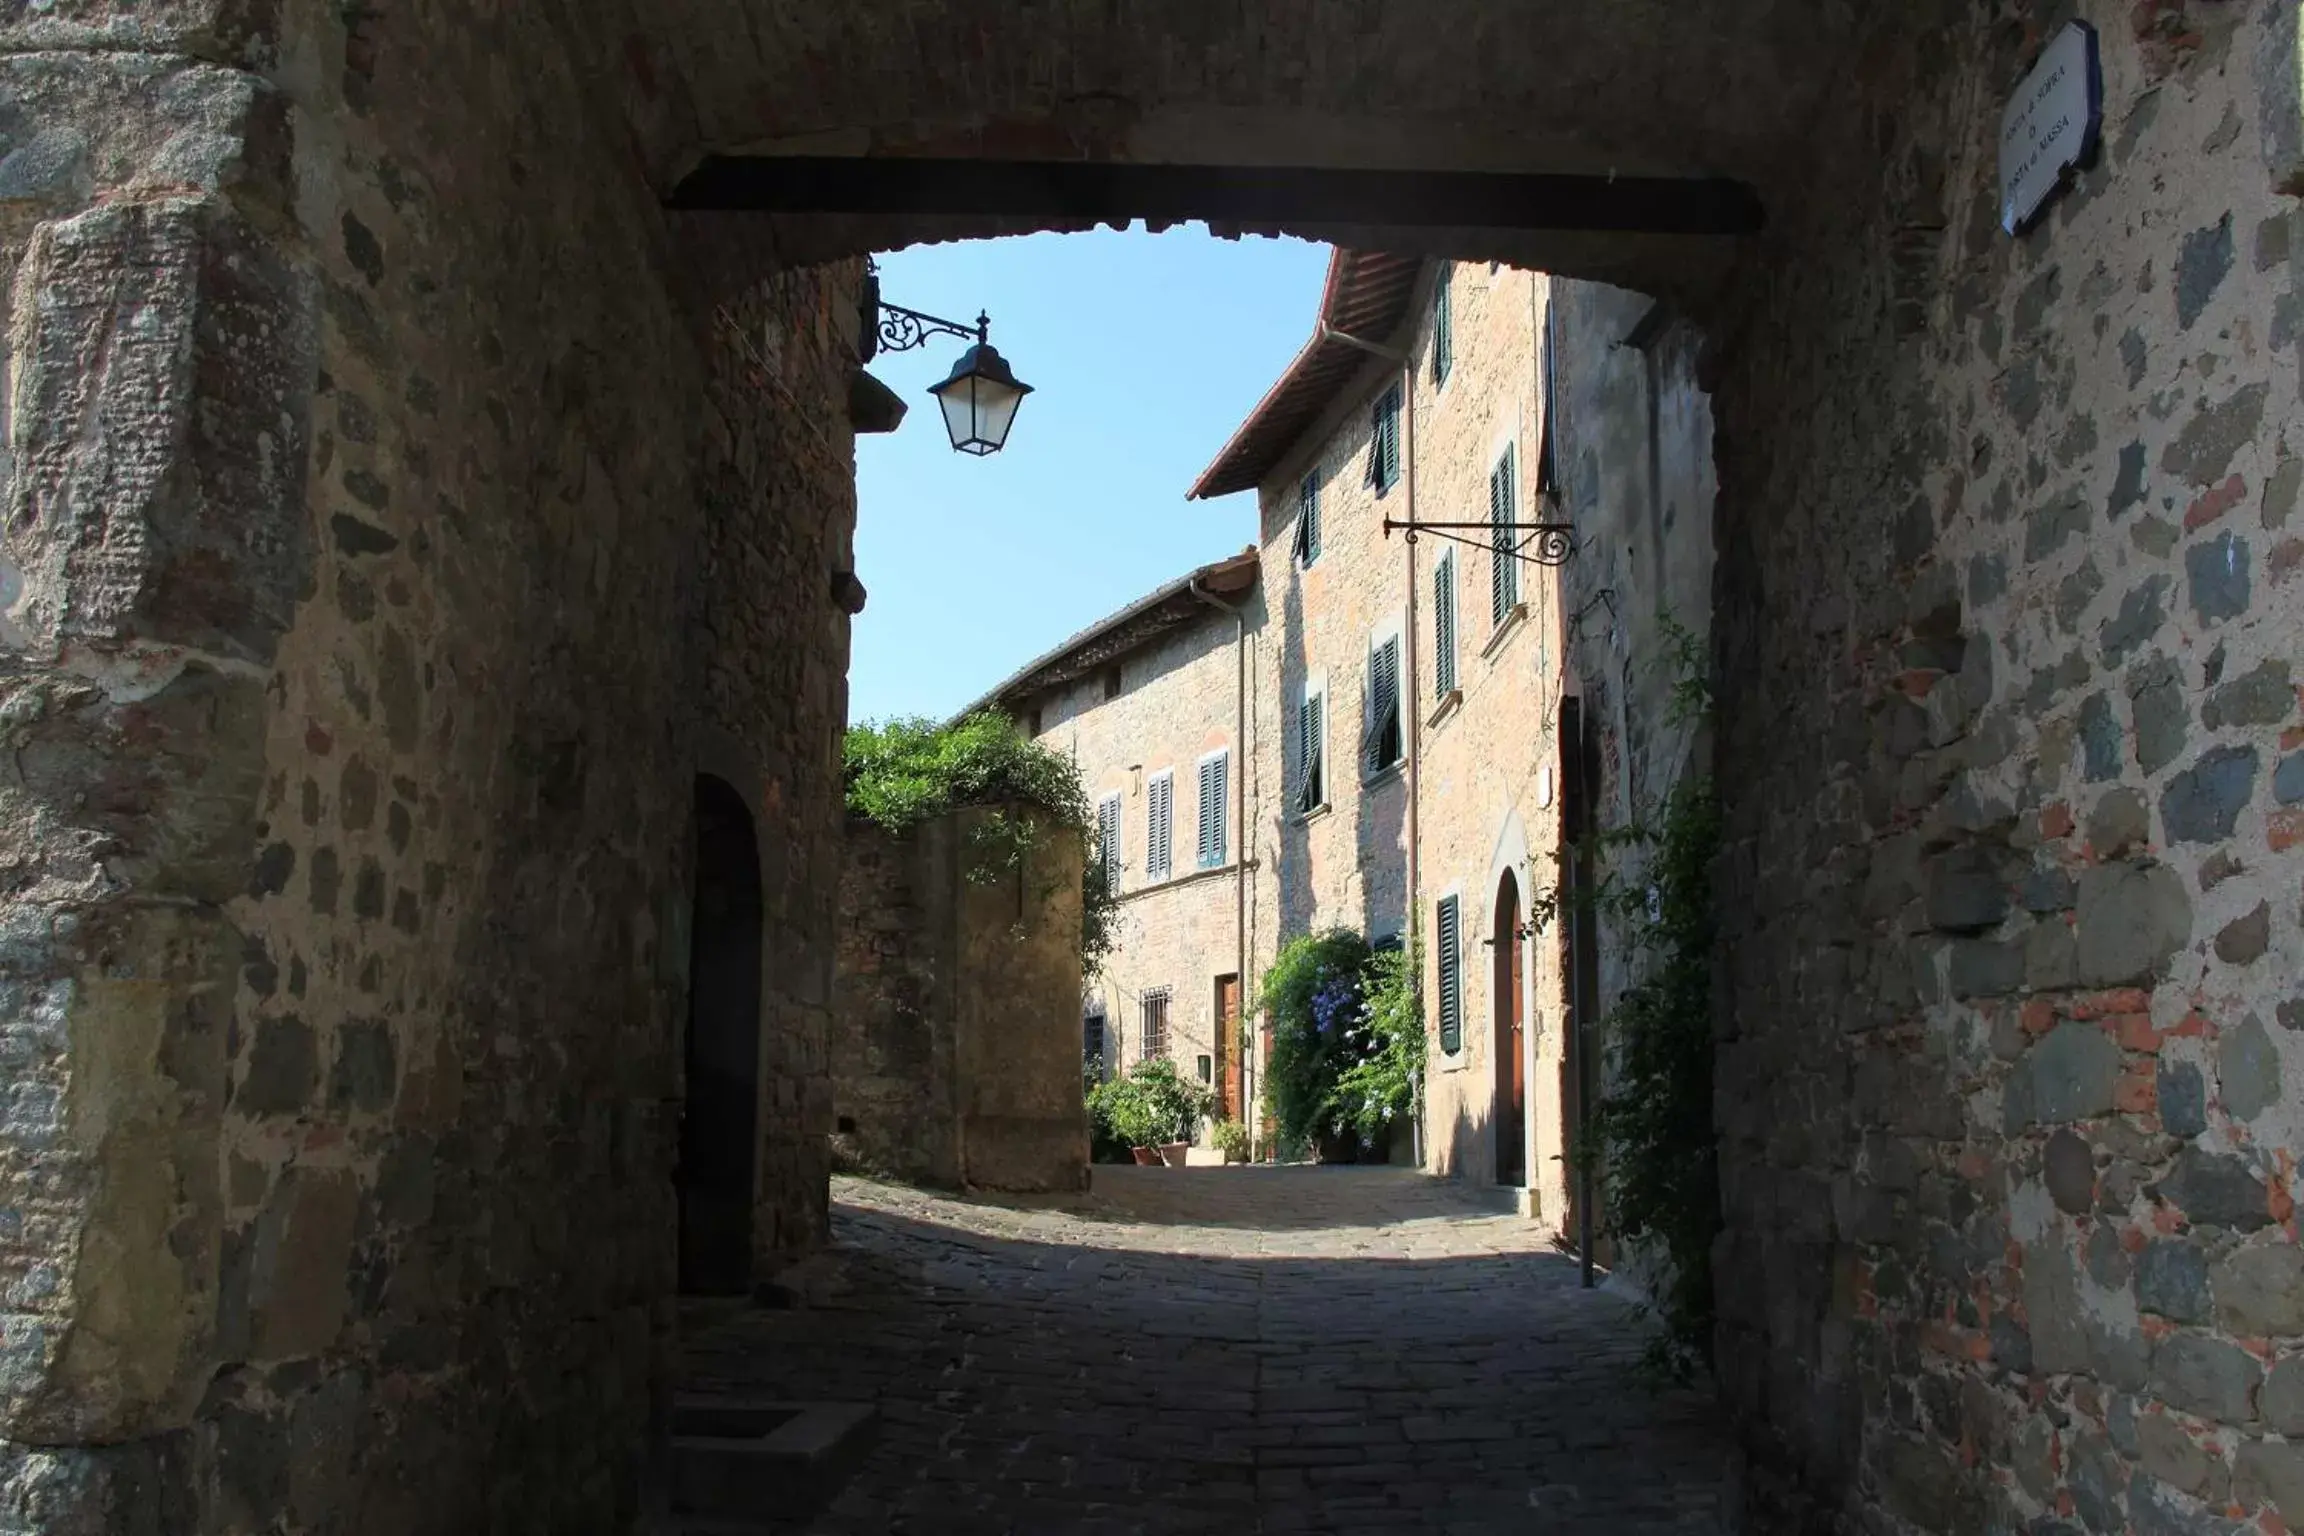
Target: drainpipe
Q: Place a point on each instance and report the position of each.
(1414, 713)
(1239, 810)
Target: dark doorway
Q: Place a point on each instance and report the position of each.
(1228, 1044)
(1511, 1031)
(719, 1123)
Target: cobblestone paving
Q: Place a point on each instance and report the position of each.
(1237, 1350)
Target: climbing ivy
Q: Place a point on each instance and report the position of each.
(899, 773)
(1650, 1136)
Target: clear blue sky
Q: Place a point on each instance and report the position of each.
(1144, 352)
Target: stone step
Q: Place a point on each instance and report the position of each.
(746, 1458)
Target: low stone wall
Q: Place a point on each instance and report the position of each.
(955, 1049)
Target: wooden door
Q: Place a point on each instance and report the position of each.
(1228, 1045)
(1511, 1042)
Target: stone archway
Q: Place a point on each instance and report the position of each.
(718, 1170)
(369, 590)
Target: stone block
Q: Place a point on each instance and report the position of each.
(2270, 1472)
(2282, 1401)
(2248, 1071)
(175, 516)
(2279, 79)
(2216, 1190)
(2260, 1290)
(2068, 1075)
(2172, 1280)
(2206, 1376)
(2203, 803)
(1965, 892)
(2130, 919)
(2174, 1457)
(2069, 1166)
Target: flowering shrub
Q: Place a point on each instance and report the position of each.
(1151, 1105)
(1347, 1040)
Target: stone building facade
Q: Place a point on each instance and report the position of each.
(1151, 704)
(370, 435)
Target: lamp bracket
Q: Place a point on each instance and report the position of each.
(1546, 543)
(903, 329)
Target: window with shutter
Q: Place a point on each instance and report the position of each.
(1547, 451)
(1384, 440)
(1443, 325)
(1108, 840)
(1307, 547)
(1386, 741)
(1311, 766)
(1444, 624)
(1215, 787)
(1160, 825)
(1504, 561)
(1449, 941)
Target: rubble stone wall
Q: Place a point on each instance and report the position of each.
(2012, 1074)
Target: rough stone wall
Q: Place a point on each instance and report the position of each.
(779, 505)
(891, 1040)
(955, 1051)
(2007, 611)
(1178, 702)
(355, 669)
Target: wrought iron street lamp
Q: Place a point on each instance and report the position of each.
(979, 397)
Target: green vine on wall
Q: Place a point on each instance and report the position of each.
(899, 773)
(1650, 1135)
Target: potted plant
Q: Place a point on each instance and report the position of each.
(1231, 1139)
(1152, 1111)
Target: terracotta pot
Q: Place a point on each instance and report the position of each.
(1148, 1157)
(1172, 1153)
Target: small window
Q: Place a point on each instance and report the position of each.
(1443, 325)
(1207, 1069)
(1092, 1044)
(1215, 808)
(1444, 624)
(1155, 1032)
(1307, 546)
(1448, 939)
(1111, 683)
(1504, 542)
(1384, 441)
(1159, 825)
(1311, 751)
(1386, 742)
(1108, 840)
(1032, 723)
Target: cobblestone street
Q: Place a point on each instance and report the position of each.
(1274, 1350)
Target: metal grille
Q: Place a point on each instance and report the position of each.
(1154, 1034)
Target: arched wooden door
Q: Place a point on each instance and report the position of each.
(1511, 1029)
(720, 1118)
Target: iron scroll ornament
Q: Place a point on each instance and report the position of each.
(1547, 544)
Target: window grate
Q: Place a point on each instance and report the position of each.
(1154, 1034)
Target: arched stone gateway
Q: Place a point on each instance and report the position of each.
(398, 493)
(718, 1169)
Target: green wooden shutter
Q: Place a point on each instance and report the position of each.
(1215, 773)
(1108, 840)
(1308, 520)
(1443, 325)
(1444, 623)
(1450, 942)
(1160, 811)
(1504, 566)
(1384, 741)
